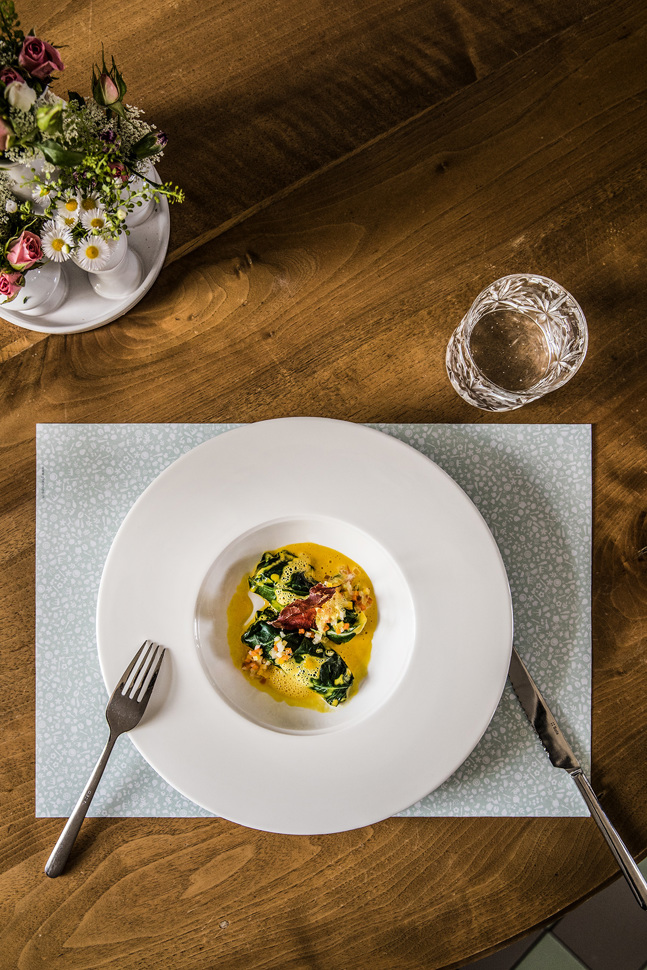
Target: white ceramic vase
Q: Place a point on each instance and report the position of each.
(144, 210)
(20, 173)
(44, 290)
(121, 275)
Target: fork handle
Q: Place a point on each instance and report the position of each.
(625, 860)
(58, 858)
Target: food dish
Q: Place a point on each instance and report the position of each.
(307, 640)
(440, 653)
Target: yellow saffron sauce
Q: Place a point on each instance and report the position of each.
(290, 684)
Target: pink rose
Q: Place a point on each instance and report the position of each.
(109, 91)
(39, 58)
(25, 252)
(119, 171)
(8, 75)
(5, 135)
(10, 283)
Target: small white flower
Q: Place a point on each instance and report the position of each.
(69, 221)
(67, 210)
(94, 220)
(11, 206)
(40, 193)
(89, 202)
(57, 241)
(92, 254)
(122, 215)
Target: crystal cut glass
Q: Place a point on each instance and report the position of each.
(523, 336)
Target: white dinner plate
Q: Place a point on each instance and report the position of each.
(441, 649)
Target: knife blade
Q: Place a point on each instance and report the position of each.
(561, 755)
(538, 713)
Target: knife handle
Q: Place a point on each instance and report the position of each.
(625, 860)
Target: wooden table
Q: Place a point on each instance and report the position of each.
(355, 175)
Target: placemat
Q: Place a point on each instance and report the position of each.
(531, 483)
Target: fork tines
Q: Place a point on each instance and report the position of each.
(139, 678)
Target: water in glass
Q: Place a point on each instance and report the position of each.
(523, 336)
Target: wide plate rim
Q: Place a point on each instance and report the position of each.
(489, 697)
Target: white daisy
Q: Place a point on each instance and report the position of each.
(88, 202)
(40, 193)
(92, 254)
(94, 220)
(69, 221)
(67, 210)
(57, 241)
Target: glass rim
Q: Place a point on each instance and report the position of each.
(539, 278)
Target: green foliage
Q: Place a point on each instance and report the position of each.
(57, 155)
(334, 678)
(267, 578)
(10, 23)
(356, 623)
(260, 633)
(49, 118)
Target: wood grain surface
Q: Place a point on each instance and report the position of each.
(257, 98)
(257, 95)
(338, 300)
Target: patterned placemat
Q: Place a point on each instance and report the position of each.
(531, 483)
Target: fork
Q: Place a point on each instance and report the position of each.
(124, 711)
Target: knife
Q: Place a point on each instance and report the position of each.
(561, 755)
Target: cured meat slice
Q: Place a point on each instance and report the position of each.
(301, 614)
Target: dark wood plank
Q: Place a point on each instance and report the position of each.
(257, 95)
(339, 301)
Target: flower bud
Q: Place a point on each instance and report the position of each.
(108, 87)
(108, 90)
(150, 144)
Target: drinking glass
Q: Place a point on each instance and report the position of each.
(523, 336)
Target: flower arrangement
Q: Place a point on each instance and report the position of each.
(22, 248)
(84, 164)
